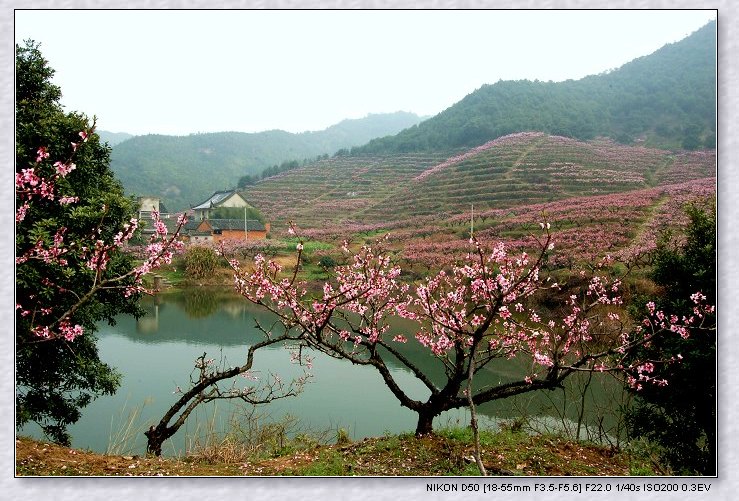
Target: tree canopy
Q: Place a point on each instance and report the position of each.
(57, 265)
(681, 418)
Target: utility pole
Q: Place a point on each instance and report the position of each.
(246, 231)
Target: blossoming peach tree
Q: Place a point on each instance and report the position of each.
(467, 316)
(71, 273)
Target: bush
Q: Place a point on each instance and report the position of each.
(681, 418)
(327, 262)
(200, 261)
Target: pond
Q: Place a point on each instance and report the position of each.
(157, 352)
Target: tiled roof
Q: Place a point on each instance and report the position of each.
(215, 199)
(192, 224)
(235, 224)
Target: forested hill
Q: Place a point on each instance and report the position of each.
(184, 170)
(112, 138)
(666, 99)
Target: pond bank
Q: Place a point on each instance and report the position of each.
(449, 452)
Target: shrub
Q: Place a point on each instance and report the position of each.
(200, 261)
(327, 262)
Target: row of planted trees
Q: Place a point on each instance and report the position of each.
(72, 222)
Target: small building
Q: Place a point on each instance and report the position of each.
(200, 229)
(192, 235)
(215, 230)
(149, 204)
(217, 200)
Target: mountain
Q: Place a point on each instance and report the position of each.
(184, 170)
(113, 138)
(666, 99)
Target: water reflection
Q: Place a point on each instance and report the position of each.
(231, 323)
(155, 354)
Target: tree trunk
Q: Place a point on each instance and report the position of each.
(425, 424)
(155, 437)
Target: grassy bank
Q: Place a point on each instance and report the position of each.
(447, 453)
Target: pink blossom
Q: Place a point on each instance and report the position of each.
(42, 154)
(70, 332)
(68, 200)
(63, 169)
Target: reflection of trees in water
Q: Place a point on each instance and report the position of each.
(196, 302)
(587, 406)
(200, 303)
(235, 308)
(580, 409)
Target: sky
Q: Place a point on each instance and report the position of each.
(180, 72)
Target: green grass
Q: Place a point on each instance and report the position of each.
(172, 274)
(309, 246)
(446, 453)
(329, 464)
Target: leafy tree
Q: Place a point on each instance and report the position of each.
(247, 180)
(71, 221)
(682, 417)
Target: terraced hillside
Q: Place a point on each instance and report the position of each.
(625, 226)
(338, 189)
(515, 170)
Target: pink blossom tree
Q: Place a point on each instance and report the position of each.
(69, 275)
(72, 222)
(467, 316)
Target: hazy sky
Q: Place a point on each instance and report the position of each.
(187, 71)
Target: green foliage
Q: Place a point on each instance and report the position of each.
(56, 379)
(681, 418)
(330, 463)
(200, 261)
(667, 99)
(247, 180)
(327, 261)
(250, 213)
(342, 437)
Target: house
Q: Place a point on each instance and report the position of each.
(193, 235)
(217, 200)
(215, 230)
(200, 228)
(148, 204)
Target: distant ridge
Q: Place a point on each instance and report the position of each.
(666, 99)
(113, 138)
(185, 169)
